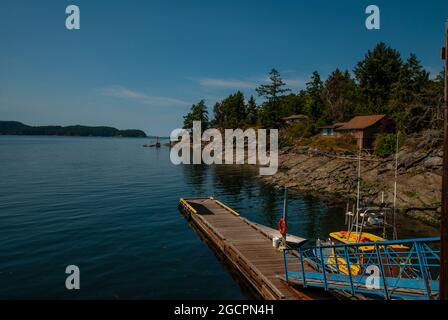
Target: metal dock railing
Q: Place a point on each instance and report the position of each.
(406, 269)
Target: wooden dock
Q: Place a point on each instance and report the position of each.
(247, 248)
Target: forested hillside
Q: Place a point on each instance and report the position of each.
(18, 128)
(384, 82)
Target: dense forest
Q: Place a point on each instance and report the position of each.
(382, 83)
(18, 128)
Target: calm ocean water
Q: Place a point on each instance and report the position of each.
(109, 206)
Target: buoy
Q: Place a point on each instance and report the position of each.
(282, 227)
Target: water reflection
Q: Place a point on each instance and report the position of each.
(196, 176)
(270, 205)
(234, 180)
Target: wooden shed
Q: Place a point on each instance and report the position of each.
(364, 128)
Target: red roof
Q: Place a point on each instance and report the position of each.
(362, 122)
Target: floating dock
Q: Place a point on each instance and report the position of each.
(247, 247)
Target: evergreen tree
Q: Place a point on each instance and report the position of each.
(411, 82)
(407, 104)
(219, 115)
(272, 92)
(340, 96)
(274, 89)
(419, 76)
(234, 111)
(198, 113)
(252, 109)
(293, 104)
(376, 75)
(314, 103)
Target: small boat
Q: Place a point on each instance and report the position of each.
(337, 258)
(154, 145)
(157, 145)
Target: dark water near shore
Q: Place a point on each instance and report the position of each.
(109, 206)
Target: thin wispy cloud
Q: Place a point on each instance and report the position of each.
(293, 81)
(226, 83)
(296, 83)
(248, 84)
(121, 92)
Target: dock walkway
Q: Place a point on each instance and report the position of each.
(247, 247)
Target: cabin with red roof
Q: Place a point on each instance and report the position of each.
(363, 128)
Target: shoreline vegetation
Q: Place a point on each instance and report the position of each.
(18, 128)
(382, 83)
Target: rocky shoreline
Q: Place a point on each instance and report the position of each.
(333, 175)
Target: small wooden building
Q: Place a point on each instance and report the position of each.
(364, 128)
(295, 119)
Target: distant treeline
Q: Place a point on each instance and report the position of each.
(381, 83)
(18, 128)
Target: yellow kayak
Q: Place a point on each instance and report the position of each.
(356, 267)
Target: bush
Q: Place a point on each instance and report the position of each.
(334, 144)
(386, 144)
(293, 133)
(297, 131)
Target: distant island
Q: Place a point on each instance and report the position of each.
(18, 128)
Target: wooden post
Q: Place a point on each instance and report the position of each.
(444, 216)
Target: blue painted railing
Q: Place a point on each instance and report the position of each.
(404, 269)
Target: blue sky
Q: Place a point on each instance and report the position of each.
(141, 64)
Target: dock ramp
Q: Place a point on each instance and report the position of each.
(389, 270)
